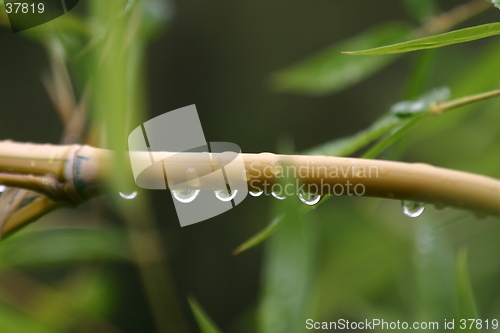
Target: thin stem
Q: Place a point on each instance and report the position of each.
(444, 106)
(38, 208)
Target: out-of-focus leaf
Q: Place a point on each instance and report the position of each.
(92, 292)
(424, 103)
(349, 145)
(13, 321)
(449, 38)
(421, 9)
(434, 271)
(156, 15)
(260, 237)
(288, 270)
(399, 115)
(331, 71)
(205, 324)
(496, 3)
(117, 78)
(422, 68)
(62, 246)
(466, 305)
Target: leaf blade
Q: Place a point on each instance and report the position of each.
(260, 236)
(449, 38)
(205, 324)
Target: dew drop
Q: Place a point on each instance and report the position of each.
(185, 196)
(277, 196)
(413, 208)
(128, 196)
(192, 177)
(255, 194)
(225, 195)
(310, 199)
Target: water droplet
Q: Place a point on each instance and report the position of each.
(185, 196)
(192, 177)
(277, 196)
(309, 198)
(2, 188)
(225, 195)
(128, 196)
(413, 208)
(255, 194)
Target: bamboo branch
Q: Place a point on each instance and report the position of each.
(80, 173)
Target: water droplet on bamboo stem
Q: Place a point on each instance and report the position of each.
(185, 196)
(413, 208)
(278, 196)
(225, 195)
(310, 199)
(255, 193)
(128, 196)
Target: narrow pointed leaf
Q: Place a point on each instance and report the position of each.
(449, 38)
(205, 324)
(62, 247)
(260, 237)
(289, 268)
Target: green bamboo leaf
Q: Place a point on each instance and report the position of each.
(63, 246)
(261, 236)
(15, 321)
(330, 71)
(205, 324)
(454, 37)
(289, 268)
(466, 305)
(399, 115)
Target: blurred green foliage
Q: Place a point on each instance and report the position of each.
(347, 258)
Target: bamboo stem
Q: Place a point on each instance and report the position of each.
(86, 168)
